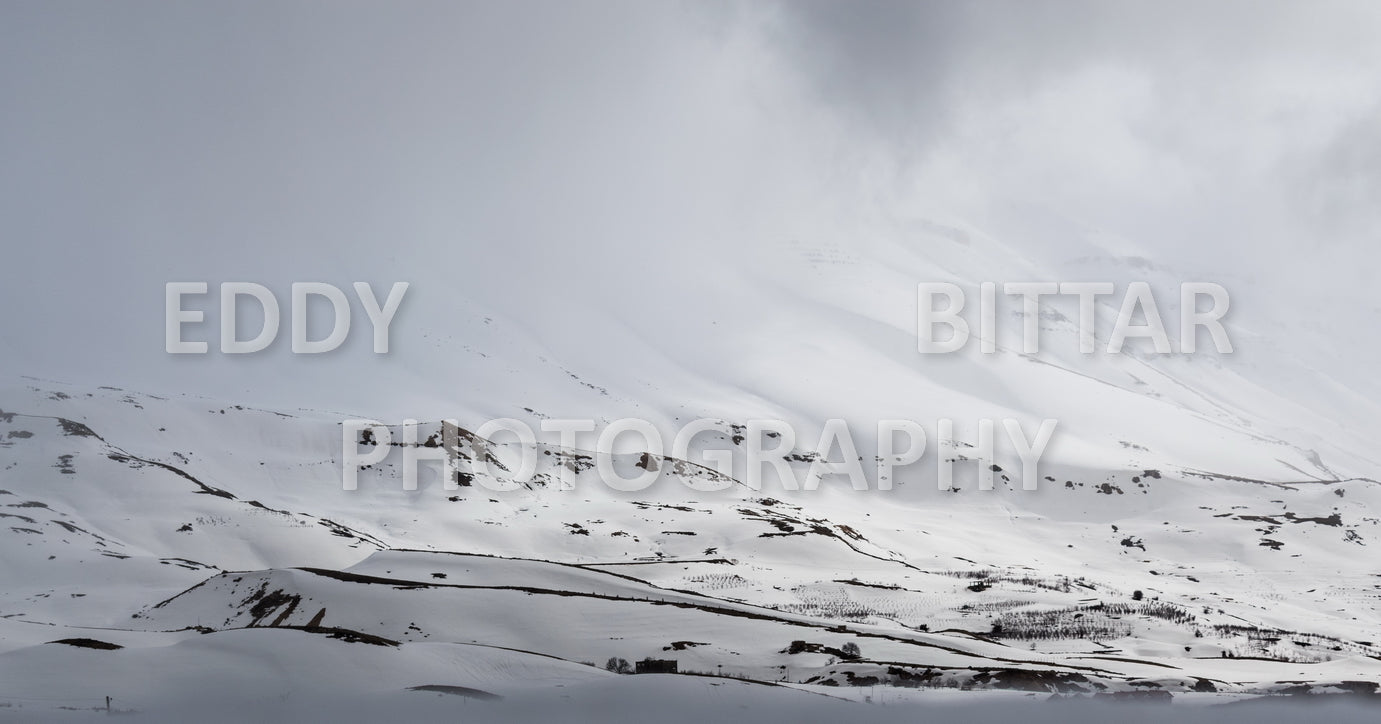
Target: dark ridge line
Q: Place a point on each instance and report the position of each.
(467, 692)
(509, 648)
(335, 632)
(86, 643)
(668, 561)
(205, 489)
(587, 568)
(65, 422)
(577, 566)
(1208, 475)
(1129, 661)
(840, 628)
(121, 455)
(696, 594)
(176, 596)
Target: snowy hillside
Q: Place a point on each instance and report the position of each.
(186, 530)
(587, 361)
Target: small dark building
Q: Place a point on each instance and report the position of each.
(655, 666)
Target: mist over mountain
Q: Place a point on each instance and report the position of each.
(677, 212)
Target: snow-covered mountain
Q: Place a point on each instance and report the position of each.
(1202, 527)
(713, 217)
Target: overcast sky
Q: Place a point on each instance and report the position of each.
(542, 149)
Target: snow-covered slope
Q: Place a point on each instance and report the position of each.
(180, 528)
(1202, 523)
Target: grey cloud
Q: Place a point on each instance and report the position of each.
(562, 149)
(1191, 127)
